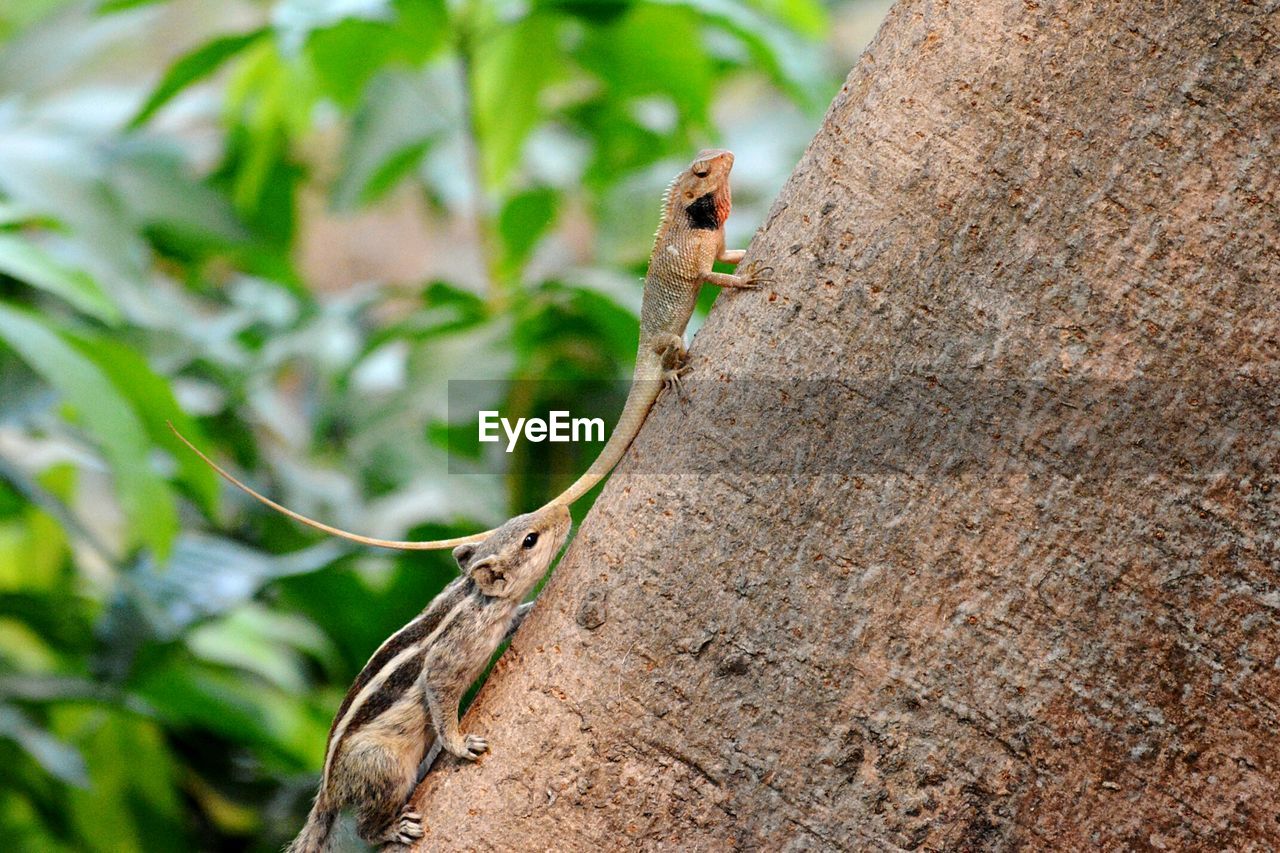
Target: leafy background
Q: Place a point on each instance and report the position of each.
(284, 227)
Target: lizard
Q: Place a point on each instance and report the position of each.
(688, 242)
(405, 700)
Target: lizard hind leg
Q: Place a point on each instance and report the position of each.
(674, 358)
(670, 348)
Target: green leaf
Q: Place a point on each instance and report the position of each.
(204, 577)
(347, 55)
(523, 221)
(595, 11)
(296, 20)
(806, 17)
(57, 758)
(132, 802)
(33, 552)
(58, 618)
(656, 51)
(516, 64)
(196, 65)
(120, 5)
(153, 399)
(402, 163)
(242, 708)
(444, 310)
(160, 193)
(14, 16)
(29, 263)
(424, 27)
(15, 213)
(400, 116)
(266, 643)
(793, 64)
(108, 417)
(271, 101)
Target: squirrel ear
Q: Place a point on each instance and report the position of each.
(488, 577)
(463, 554)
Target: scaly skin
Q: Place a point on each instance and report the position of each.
(689, 241)
(687, 244)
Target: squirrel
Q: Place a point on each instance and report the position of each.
(405, 700)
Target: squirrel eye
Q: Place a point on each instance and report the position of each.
(530, 540)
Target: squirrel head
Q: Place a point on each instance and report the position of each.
(511, 561)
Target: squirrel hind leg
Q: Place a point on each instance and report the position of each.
(378, 782)
(386, 817)
(404, 830)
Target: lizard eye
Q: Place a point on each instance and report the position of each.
(701, 169)
(530, 540)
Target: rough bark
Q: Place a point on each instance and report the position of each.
(1001, 572)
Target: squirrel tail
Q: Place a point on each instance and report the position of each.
(314, 837)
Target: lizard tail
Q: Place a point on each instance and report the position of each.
(428, 545)
(645, 387)
(314, 837)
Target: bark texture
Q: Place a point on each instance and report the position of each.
(994, 564)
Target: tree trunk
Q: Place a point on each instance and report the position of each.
(1001, 571)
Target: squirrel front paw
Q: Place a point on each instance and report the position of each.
(470, 747)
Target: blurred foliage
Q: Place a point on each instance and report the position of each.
(160, 165)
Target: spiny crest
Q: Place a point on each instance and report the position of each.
(666, 205)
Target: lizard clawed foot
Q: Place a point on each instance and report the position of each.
(756, 274)
(673, 380)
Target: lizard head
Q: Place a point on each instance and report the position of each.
(700, 194)
(511, 561)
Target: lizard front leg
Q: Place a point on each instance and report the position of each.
(728, 256)
(442, 706)
(751, 277)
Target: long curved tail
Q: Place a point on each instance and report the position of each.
(314, 837)
(428, 545)
(646, 384)
(644, 391)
